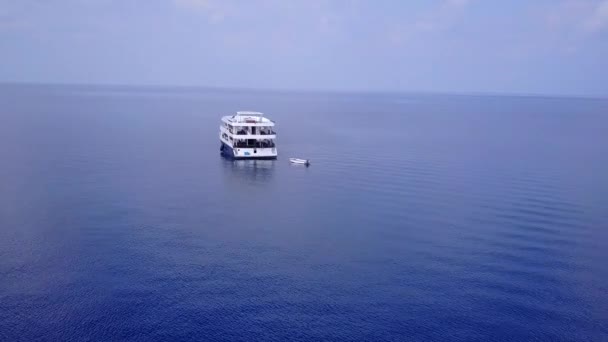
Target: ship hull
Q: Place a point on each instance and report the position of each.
(248, 153)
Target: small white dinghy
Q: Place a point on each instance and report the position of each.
(299, 161)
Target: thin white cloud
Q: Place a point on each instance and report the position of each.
(577, 17)
(457, 3)
(598, 20)
(441, 18)
(199, 4)
(215, 11)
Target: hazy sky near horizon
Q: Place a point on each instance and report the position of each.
(517, 46)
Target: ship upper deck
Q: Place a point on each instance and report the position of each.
(246, 118)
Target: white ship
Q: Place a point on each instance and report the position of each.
(248, 135)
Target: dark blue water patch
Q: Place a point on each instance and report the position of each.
(422, 217)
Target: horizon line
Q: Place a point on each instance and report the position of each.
(309, 90)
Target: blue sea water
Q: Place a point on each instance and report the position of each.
(423, 217)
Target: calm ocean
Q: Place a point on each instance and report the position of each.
(423, 217)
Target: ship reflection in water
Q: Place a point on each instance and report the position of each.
(248, 171)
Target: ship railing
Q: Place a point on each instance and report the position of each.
(259, 133)
(238, 145)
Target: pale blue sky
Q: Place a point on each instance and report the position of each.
(516, 46)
